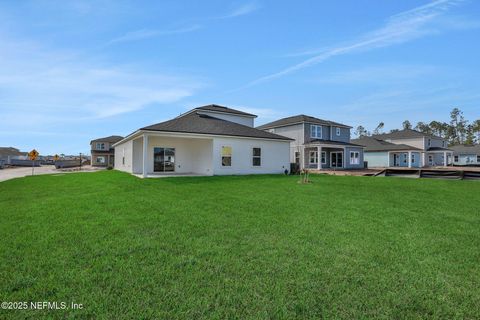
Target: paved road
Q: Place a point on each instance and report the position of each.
(18, 172)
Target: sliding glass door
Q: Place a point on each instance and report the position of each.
(163, 159)
(336, 159)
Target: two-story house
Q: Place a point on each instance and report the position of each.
(103, 153)
(406, 148)
(318, 144)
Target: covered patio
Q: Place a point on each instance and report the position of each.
(163, 155)
(336, 155)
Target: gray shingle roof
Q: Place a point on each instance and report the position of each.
(330, 142)
(374, 144)
(466, 149)
(218, 108)
(404, 134)
(299, 119)
(204, 124)
(110, 139)
(438, 149)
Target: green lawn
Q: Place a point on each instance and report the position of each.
(240, 247)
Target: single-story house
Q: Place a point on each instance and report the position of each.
(466, 155)
(379, 153)
(208, 140)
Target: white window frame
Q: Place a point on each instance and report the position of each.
(256, 157)
(226, 156)
(314, 157)
(430, 159)
(455, 158)
(355, 160)
(338, 131)
(100, 146)
(104, 160)
(412, 160)
(324, 157)
(314, 129)
(429, 142)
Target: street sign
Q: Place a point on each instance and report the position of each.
(32, 155)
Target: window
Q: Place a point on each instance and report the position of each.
(478, 158)
(226, 156)
(455, 158)
(257, 157)
(429, 142)
(297, 157)
(405, 157)
(413, 158)
(354, 157)
(443, 143)
(316, 131)
(100, 160)
(430, 159)
(100, 146)
(338, 131)
(324, 157)
(313, 157)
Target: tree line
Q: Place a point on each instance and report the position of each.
(457, 131)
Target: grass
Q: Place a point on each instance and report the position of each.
(244, 247)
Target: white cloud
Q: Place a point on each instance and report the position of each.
(151, 33)
(242, 10)
(40, 87)
(399, 28)
(378, 74)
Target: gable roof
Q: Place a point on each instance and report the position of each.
(301, 118)
(404, 134)
(222, 109)
(466, 149)
(198, 123)
(373, 144)
(110, 139)
(10, 151)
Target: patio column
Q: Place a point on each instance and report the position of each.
(145, 155)
(445, 158)
(319, 162)
(409, 159)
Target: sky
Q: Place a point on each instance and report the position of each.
(73, 71)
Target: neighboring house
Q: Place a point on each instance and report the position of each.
(466, 155)
(103, 154)
(434, 151)
(405, 148)
(318, 144)
(380, 153)
(7, 154)
(208, 140)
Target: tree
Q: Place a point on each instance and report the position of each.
(361, 131)
(378, 129)
(475, 128)
(439, 128)
(423, 127)
(406, 125)
(458, 127)
(470, 136)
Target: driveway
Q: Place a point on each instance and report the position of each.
(18, 172)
